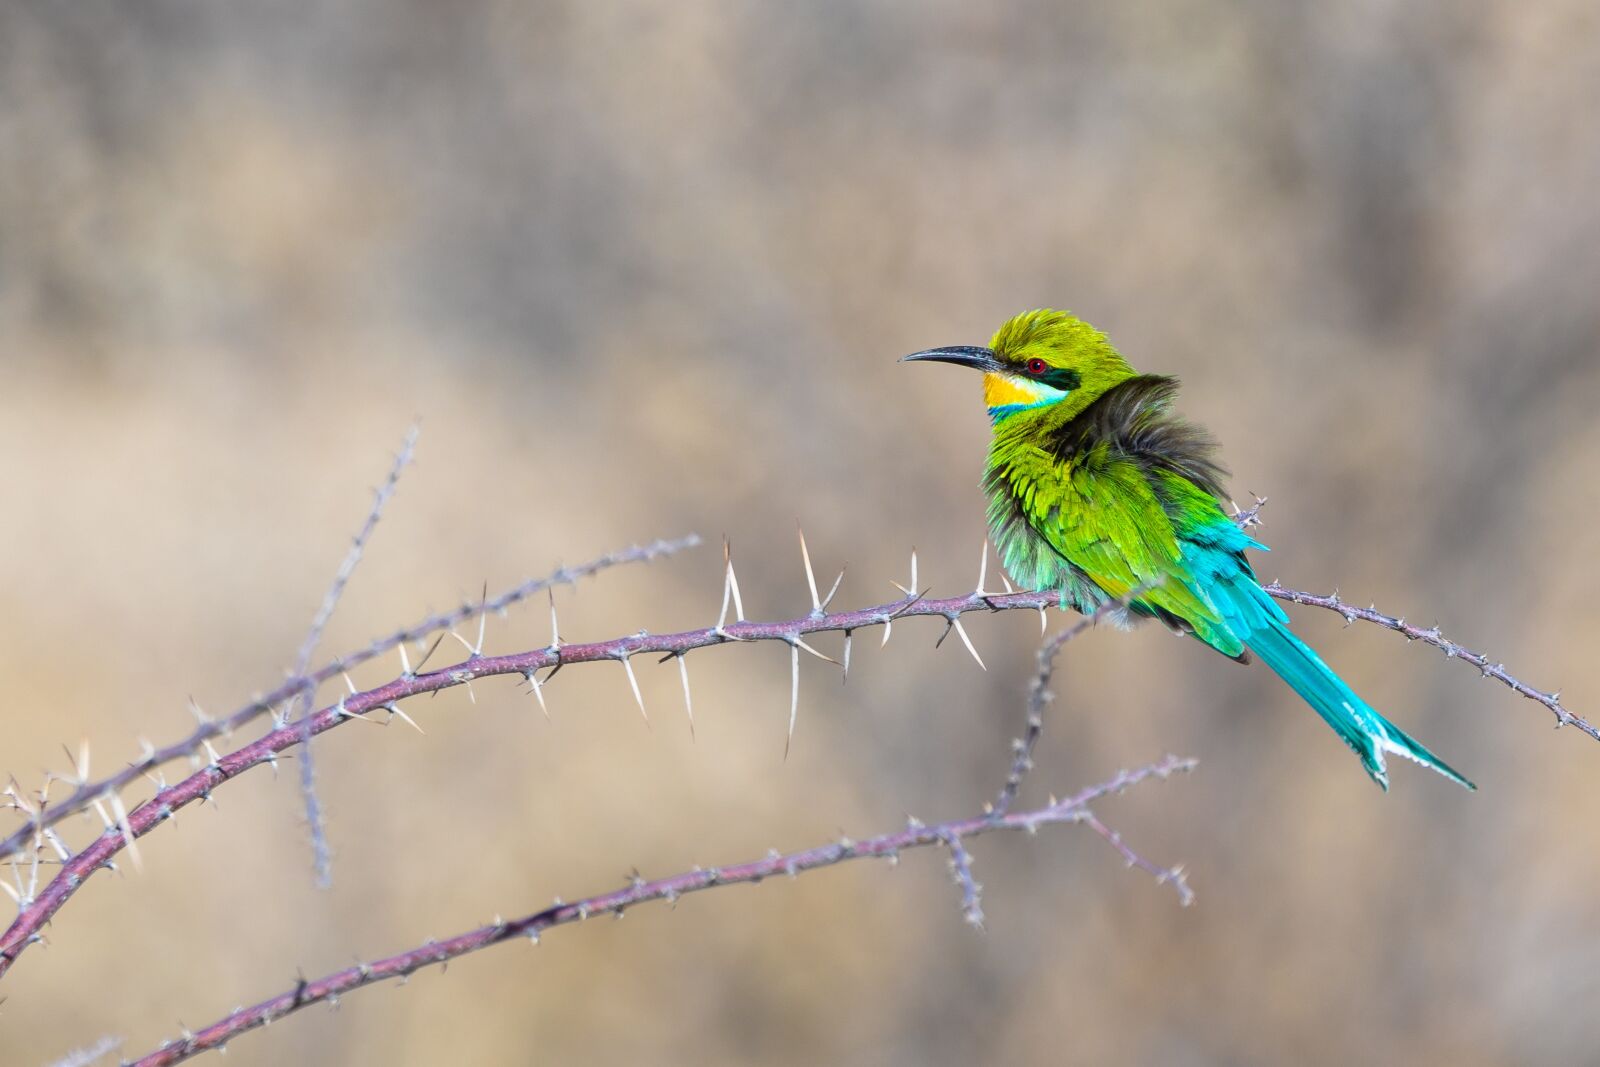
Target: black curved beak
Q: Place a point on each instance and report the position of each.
(962, 355)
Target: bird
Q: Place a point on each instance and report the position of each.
(1100, 493)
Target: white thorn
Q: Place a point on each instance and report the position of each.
(848, 635)
(727, 587)
(888, 628)
(627, 665)
(983, 567)
(794, 695)
(394, 709)
(911, 589)
(688, 703)
(965, 640)
(811, 575)
(483, 620)
(127, 831)
(100, 809)
(1044, 620)
(555, 628)
(538, 691)
(814, 652)
(405, 660)
(834, 590)
(1007, 583)
(350, 685)
(733, 585)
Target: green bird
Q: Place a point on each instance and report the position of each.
(1098, 492)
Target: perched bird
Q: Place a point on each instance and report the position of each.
(1097, 491)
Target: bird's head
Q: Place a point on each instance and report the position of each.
(1040, 362)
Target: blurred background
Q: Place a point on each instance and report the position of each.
(645, 268)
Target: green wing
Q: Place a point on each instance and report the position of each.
(1100, 513)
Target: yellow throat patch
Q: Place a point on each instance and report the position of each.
(1007, 390)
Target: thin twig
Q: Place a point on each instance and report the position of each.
(1432, 636)
(322, 855)
(1251, 517)
(1173, 876)
(1039, 695)
(961, 873)
(84, 795)
(328, 988)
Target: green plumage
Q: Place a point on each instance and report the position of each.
(1096, 490)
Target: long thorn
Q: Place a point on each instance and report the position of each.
(961, 632)
(733, 586)
(811, 575)
(483, 620)
(127, 831)
(727, 586)
(538, 691)
(814, 652)
(794, 695)
(394, 709)
(834, 590)
(688, 702)
(908, 590)
(431, 650)
(627, 665)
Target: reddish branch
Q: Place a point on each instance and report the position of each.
(1432, 636)
(951, 834)
(83, 797)
(34, 914)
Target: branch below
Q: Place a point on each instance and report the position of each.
(950, 835)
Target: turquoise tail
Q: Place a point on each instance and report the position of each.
(1362, 728)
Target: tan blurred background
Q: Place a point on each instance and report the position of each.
(643, 269)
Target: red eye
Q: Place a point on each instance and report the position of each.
(1037, 366)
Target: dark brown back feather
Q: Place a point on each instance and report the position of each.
(1134, 418)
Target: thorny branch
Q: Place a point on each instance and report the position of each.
(41, 815)
(35, 912)
(1432, 636)
(950, 835)
(1250, 517)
